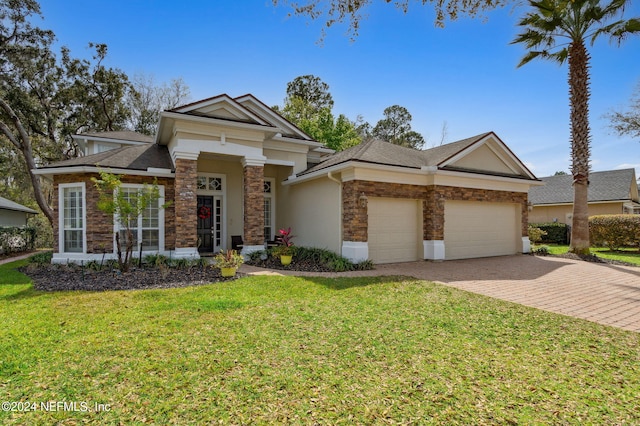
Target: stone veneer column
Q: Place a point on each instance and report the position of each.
(355, 223)
(186, 204)
(253, 173)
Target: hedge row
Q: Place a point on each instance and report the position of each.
(15, 240)
(615, 230)
(556, 232)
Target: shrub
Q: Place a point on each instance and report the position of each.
(156, 259)
(181, 263)
(542, 250)
(42, 258)
(615, 230)
(15, 239)
(93, 265)
(536, 234)
(556, 232)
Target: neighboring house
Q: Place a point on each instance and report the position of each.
(14, 214)
(610, 192)
(233, 167)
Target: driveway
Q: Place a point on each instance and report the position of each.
(602, 293)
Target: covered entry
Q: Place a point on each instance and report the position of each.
(395, 230)
(481, 229)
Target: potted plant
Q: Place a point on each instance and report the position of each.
(285, 249)
(228, 261)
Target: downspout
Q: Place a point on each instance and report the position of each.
(339, 182)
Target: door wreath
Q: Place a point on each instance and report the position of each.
(204, 212)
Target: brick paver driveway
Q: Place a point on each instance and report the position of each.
(602, 293)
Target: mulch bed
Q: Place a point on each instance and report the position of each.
(273, 262)
(64, 278)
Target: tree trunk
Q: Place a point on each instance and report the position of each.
(580, 144)
(23, 143)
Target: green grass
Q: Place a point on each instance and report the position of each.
(285, 350)
(631, 256)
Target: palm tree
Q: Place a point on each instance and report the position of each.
(557, 30)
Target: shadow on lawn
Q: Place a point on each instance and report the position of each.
(344, 283)
(25, 293)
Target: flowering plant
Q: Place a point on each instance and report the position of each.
(286, 244)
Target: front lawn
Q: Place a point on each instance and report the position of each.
(286, 350)
(631, 256)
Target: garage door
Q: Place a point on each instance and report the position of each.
(480, 229)
(395, 230)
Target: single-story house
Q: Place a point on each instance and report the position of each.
(232, 167)
(610, 192)
(14, 214)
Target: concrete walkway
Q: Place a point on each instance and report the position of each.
(602, 293)
(18, 257)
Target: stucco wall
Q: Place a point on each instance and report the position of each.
(542, 214)
(12, 218)
(313, 211)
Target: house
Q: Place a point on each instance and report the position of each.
(233, 167)
(14, 214)
(610, 192)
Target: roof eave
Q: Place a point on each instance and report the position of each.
(150, 171)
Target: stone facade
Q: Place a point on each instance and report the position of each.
(253, 205)
(186, 203)
(99, 225)
(355, 220)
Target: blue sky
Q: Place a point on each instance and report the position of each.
(464, 75)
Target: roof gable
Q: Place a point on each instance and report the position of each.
(486, 153)
(482, 154)
(256, 106)
(223, 107)
(610, 185)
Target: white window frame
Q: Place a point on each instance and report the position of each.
(271, 195)
(161, 229)
(61, 229)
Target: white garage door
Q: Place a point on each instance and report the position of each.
(480, 229)
(395, 230)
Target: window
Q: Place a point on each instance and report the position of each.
(268, 209)
(71, 220)
(210, 183)
(103, 147)
(146, 228)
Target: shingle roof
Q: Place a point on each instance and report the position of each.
(609, 185)
(137, 157)
(10, 205)
(123, 135)
(376, 151)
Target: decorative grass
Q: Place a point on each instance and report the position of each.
(284, 350)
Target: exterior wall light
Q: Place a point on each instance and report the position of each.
(363, 200)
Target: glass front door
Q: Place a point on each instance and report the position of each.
(210, 222)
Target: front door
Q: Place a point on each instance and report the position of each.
(205, 223)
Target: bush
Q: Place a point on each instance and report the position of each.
(536, 234)
(42, 258)
(542, 250)
(324, 259)
(615, 230)
(17, 239)
(556, 232)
